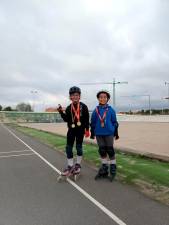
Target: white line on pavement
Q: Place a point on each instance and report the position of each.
(14, 152)
(98, 204)
(10, 156)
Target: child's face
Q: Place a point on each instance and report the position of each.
(75, 97)
(103, 99)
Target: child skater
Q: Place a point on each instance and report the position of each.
(104, 126)
(77, 117)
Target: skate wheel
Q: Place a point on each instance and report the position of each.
(96, 177)
(59, 179)
(75, 177)
(112, 177)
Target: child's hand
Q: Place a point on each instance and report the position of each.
(92, 135)
(59, 109)
(116, 137)
(87, 133)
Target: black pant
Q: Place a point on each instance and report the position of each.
(72, 134)
(105, 144)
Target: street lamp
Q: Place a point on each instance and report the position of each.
(33, 92)
(114, 87)
(167, 83)
(164, 98)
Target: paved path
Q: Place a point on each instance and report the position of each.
(30, 194)
(148, 138)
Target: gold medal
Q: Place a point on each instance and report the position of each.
(102, 124)
(73, 125)
(78, 123)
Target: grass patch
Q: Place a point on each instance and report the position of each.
(151, 176)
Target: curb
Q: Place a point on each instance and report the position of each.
(130, 151)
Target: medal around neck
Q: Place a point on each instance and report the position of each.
(102, 119)
(102, 124)
(73, 125)
(78, 123)
(75, 113)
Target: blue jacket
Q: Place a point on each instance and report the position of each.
(110, 122)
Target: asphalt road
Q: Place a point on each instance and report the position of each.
(31, 195)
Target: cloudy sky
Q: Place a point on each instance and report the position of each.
(46, 46)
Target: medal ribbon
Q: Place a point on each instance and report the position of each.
(104, 114)
(76, 112)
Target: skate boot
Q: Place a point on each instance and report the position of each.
(67, 171)
(76, 171)
(103, 172)
(112, 171)
(77, 168)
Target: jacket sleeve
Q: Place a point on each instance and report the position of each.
(114, 122)
(116, 133)
(93, 122)
(86, 117)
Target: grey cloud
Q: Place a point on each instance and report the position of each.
(49, 46)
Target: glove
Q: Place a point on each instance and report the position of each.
(60, 109)
(87, 133)
(116, 137)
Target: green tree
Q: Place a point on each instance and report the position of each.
(23, 107)
(8, 108)
(0, 107)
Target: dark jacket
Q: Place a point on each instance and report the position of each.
(84, 117)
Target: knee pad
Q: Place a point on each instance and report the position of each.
(102, 152)
(79, 150)
(69, 151)
(110, 152)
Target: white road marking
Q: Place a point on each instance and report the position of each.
(1, 153)
(98, 204)
(10, 156)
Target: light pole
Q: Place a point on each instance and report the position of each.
(112, 83)
(165, 98)
(167, 83)
(33, 92)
